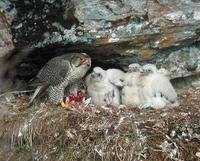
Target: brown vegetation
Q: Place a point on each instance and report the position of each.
(48, 133)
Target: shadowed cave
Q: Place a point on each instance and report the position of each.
(22, 64)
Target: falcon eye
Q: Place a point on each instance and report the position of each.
(134, 69)
(84, 54)
(131, 69)
(121, 80)
(149, 71)
(98, 74)
(76, 61)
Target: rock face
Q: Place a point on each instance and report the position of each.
(6, 44)
(165, 32)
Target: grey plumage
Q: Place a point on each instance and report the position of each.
(100, 89)
(76, 87)
(60, 72)
(156, 89)
(130, 91)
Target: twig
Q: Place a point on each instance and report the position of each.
(166, 136)
(117, 154)
(169, 139)
(7, 103)
(17, 92)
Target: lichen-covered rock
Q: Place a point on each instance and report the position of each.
(183, 62)
(6, 16)
(6, 44)
(119, 32)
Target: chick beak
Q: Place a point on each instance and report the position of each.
(85, 61)
(94, 75)
(141, 70)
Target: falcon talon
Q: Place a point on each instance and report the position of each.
(66, 105)
(74, 100)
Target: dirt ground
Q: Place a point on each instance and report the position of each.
(44, 132)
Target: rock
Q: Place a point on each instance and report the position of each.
(5, 84)
(183, 62)
(116, 32)
(6, 17)
(6, 44)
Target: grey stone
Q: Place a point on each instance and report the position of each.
(6, 16)
(165, 32)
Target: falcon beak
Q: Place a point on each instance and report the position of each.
(85, 61)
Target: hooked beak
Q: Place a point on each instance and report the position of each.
(141, 70)
(93, 74)
(86, 61)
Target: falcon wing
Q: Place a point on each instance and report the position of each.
(162, 85)
(87, 79)
(53, 73)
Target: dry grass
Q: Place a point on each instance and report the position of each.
(48, 133)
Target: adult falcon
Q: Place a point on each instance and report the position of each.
(58, 73)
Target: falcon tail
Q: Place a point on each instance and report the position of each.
(37, 91)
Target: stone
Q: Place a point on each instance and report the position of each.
(164, 32)
(6, 44)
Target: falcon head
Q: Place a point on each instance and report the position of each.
(80, 60)
(149, 69)
(98, 74)
(135, 68)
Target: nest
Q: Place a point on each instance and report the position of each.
(47, 133)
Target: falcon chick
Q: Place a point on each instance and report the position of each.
(130, 91)
(116, 77)
(156, 89)
(100, 89)
(58, 73)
